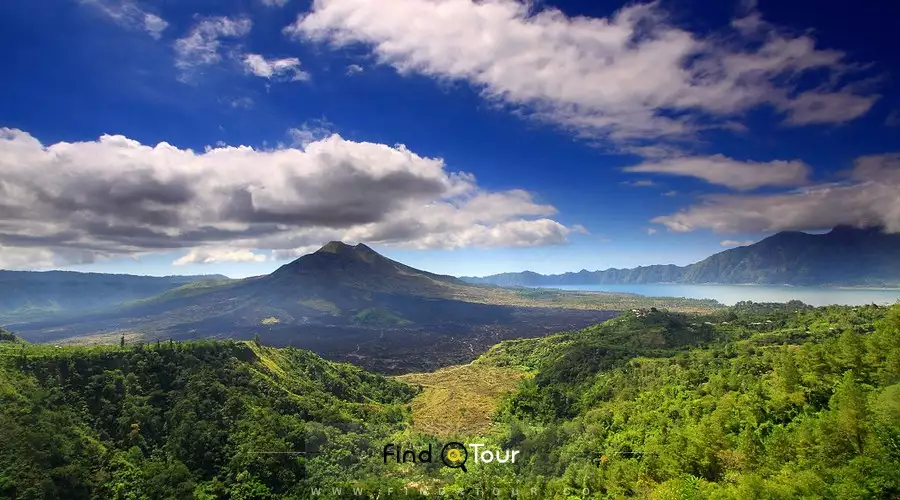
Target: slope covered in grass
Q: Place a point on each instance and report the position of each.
(460, 400)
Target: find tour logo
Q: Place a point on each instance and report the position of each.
(453, 454)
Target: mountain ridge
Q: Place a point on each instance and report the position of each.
(26, 293)
(60, 272)
(844, 256)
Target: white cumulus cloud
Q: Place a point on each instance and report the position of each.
(78, 201)
(287, 68)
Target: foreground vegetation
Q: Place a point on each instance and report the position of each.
(180, 420)
(753, 401)
(774, 402)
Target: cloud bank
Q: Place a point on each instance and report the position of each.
(74, 202)
(870, 197)
(631, 76)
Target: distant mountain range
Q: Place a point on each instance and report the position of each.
(845, 256)
(25, 294)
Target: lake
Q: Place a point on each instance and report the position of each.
(730, 294)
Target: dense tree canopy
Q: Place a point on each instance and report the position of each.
(775, 402)
(172, 420)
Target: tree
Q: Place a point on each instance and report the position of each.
(885, 347)
(788, 373)
(850, 411)
(852, 351)
(122, 341)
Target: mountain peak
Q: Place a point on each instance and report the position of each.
(334, 247)
(338, 264)
(352, 252)
(339, 246)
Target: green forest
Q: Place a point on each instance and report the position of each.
(757, 401)
(751, 401)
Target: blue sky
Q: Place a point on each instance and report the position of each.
(554, 136)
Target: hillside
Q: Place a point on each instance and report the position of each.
(844, 256)
(184, 420)
(25, 294)
(757, 401)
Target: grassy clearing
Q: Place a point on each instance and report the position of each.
(378, 316)
(185, 291)
(460, 400)
(322, 305)
(111, 338)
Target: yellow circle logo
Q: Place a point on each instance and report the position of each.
(454, 455)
